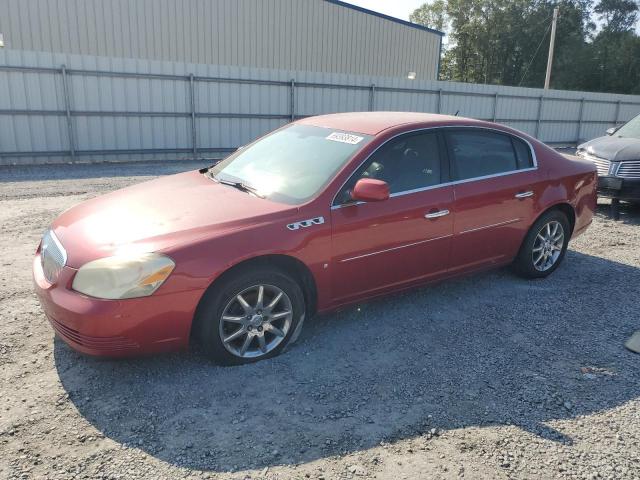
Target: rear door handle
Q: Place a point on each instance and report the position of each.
(524, 194)
(438, 214)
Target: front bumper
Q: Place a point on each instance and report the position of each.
(115, 328)
(620, 188)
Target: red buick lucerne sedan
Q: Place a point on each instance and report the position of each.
(320, 213)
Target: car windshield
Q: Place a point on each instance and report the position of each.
(292, 164)
(630, 129)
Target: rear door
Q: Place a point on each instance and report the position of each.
(496, 183)
(381, 245)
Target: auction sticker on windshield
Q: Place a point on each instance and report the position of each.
(345, 138)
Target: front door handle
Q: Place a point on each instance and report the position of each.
(438, 214)
(524, 194)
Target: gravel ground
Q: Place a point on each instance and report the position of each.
(490, 376)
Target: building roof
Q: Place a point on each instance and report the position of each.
(386, 17)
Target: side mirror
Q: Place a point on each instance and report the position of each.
(612, 130)
(370, 190)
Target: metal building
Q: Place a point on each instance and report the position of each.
(126, 80)
(304, 35)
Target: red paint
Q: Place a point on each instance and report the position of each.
(391, 225)
(207, 228)
(370, 190)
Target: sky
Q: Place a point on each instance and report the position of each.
(395, 8)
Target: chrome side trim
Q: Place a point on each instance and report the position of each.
(456, 182)
(484, 227)
(395, 248)
(441, 185)
(345, 205)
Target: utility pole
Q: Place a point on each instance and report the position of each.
(552, 43)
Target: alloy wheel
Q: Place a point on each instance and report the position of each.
(256, 321)
(548, 246)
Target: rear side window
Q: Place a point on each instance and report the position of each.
(523, 153)
(479, 153)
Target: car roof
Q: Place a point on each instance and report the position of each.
(372, 123)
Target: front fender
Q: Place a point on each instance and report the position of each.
(207, 259)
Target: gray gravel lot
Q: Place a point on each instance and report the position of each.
(490, 376)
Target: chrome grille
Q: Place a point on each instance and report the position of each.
(629, 169)
(601, 164)
(53, 256)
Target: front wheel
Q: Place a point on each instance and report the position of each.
(545, 246)
(254, 315)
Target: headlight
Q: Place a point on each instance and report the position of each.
(123, 276)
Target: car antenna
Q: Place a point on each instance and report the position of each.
(456, 114)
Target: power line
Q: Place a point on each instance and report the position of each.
(526, 70)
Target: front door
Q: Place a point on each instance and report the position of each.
(382, 245)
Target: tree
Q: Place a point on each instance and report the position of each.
(616, 48)
(618, 15)
(506, 42)
(431, 15)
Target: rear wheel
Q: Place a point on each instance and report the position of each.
(545, 246)
(254, 315)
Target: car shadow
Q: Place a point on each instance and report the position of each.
(491, 349)
(628, 213)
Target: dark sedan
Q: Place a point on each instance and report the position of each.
(617, 158)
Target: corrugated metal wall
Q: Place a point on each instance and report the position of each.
(119, 109)
(309, 35)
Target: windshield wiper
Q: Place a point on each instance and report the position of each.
(206, 169)
(239, 185)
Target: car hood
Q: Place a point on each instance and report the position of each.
(157, 215)
(615, 149)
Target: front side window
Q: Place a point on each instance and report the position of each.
(292, 164)
(631, 129)
(409, 162)
(480, 153)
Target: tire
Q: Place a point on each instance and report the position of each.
(249, 319)
(525, 263)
